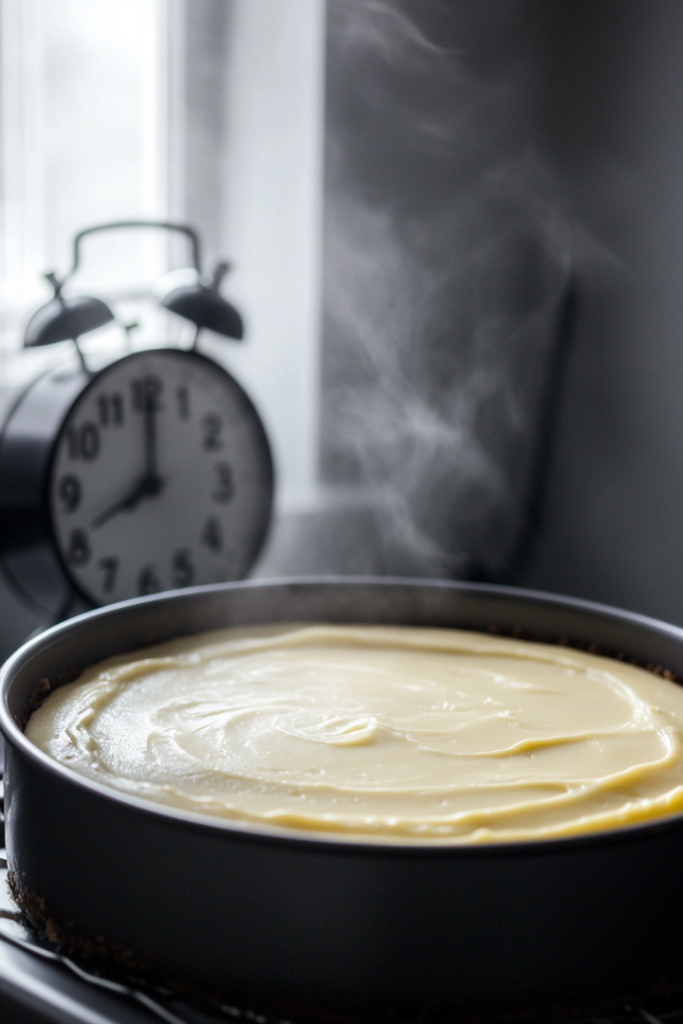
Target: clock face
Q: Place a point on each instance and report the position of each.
(161, 478)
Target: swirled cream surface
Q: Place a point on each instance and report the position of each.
(383, 733)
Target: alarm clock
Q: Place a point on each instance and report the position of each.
(152, 472)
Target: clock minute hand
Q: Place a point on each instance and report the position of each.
(151, 483)
(150, 434)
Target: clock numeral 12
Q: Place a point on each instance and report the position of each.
(146, 393)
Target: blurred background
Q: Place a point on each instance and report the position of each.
(457, 236)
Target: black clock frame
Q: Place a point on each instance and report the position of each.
(30, 555)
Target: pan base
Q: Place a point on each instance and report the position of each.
(120, 964)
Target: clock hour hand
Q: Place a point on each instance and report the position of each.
(147, 487)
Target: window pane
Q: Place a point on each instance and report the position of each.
(84, 115)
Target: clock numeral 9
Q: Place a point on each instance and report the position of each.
(183, 569)
(212, 426)
(69, 491)
(212, 535)
(78, 552)
(110, 567)
(225, 490)
(148, 581)
(83, 442)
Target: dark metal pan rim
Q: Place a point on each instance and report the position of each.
(334, 843)
(522, 595)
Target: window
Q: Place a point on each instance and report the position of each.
(205, 110)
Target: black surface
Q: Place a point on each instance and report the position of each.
(34, 992)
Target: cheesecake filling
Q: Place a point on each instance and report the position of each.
(383, 733)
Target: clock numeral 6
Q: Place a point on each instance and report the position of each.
(183, 569)
(212, 535)
(110, 567)
(225, 490)
(83, 442)
(69, 491)
(148, 581)
(78, 551)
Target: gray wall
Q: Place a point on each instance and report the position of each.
(592, 92)
(610, 118)
(446, 257)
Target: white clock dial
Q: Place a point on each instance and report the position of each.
(161, 478)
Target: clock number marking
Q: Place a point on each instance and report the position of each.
(110, 567)
(225, 491)
(148, 581)
(90, 441)
(69, 491)
(183, 569)
(110, 410)
(83, 442)
(146, 393)
(212, 535)
(212, 426)
(183, 396)
(78, 552)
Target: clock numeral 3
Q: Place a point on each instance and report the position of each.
(83, 442)
(78, 552)
(183, 569)
(148, 581)
(212, 535)
(69, 491)
(110, 567)
(212, 426)
(225, 490)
